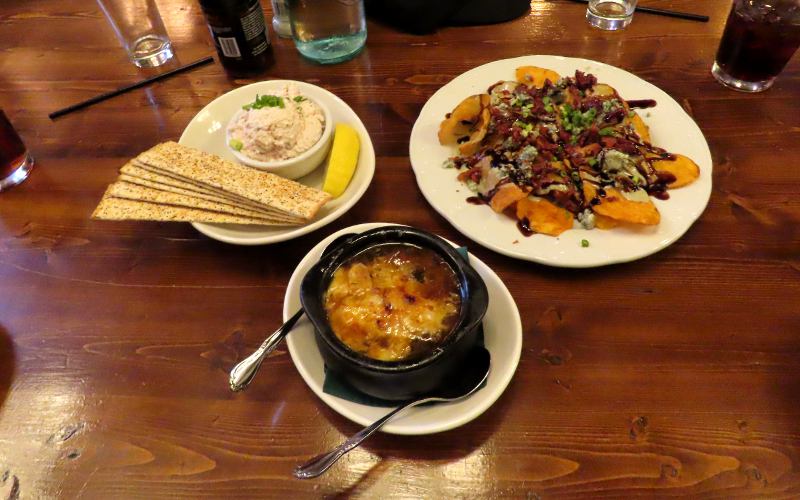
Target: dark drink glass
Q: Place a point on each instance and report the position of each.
(15, 161)
(759, 39)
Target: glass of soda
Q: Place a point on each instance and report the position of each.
(610, 14)
(15, 160)
(328, 31)
(759, 39)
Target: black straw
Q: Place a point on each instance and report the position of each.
(122, 90)
(663, 12)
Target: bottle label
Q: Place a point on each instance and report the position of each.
(241, 37)
(229, 47)
(255, 30)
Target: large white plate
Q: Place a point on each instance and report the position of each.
(670, 128)
(206, 132)
(502, 330)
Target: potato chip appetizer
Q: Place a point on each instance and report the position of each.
(557, 153)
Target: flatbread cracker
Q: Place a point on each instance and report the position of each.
(121, 209)
(129, 179)
(145, 178)
(128, 191)
(146, 172)
(210, 170)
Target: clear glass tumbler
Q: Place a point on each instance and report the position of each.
(280, 18)
(15, 160)
(759, 39)
(610, 14)
(140, 30)
(328, 31)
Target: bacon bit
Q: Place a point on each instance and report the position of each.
(591, 150)
(609, 142)
(584, 81)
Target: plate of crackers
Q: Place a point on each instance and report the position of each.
(562, 161)
(199, 180)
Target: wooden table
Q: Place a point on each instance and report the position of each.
(676, 375)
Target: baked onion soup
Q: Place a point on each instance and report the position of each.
(393, 302)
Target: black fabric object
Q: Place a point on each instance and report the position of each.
(425, 16)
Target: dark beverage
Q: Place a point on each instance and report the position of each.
(240, 35)
(758, 41)
(15, 162)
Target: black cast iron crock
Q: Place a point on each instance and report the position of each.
(405, 379)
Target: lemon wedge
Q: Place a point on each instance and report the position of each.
(344, 158)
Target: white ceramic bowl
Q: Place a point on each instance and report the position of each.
(300, 165)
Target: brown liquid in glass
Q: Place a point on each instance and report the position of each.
(754, 46)
(12, 149)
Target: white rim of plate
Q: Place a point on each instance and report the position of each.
(366, 161)
(464, 411)
(613, 246)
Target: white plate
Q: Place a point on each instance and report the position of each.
(206, 132)
(670, 128)
(502, 331)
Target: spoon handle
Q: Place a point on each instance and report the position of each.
(319, 464)
(242, 374)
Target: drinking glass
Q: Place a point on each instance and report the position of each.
(328, 31)
(139, 28)
(610, 14)
(280, 18)
(15, 160)
(759, 39)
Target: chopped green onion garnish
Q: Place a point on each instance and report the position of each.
(236, 144)
(607, 131)
(265, 101)
(584, 243)
(299, 98)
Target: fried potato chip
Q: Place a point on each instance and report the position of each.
(603, 90)
(506, 195)
(603, 222)
(615, 206)
(477, 135)
(641, 129)
(684, 169)
(533, 76)
(470, 119)
(543, 216)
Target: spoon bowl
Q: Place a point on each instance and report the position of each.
(457, 386)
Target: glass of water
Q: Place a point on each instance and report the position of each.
(139, 28)
(328, 31)
(610, 14)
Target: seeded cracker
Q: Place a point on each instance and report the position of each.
(120, 209)
(128, 191)
(143, 173)
(210, 170)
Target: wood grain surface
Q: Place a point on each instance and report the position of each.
(674, 376)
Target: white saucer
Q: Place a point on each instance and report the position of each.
(502, 337)
(206, 132)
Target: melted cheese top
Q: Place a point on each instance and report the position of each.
(393, 302)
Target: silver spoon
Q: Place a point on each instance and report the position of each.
(466, 382)
(245, 370)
